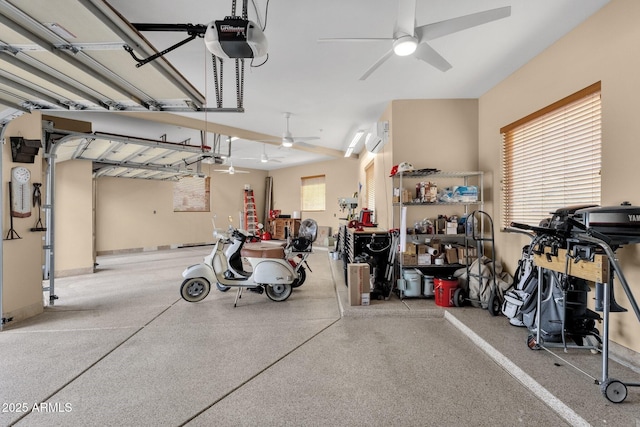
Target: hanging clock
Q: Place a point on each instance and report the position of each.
(20, 192)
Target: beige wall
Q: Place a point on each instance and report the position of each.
(73, 218)
(22, 258)
(341, 180)
(438, 133)
(604, 48)
(138, 213)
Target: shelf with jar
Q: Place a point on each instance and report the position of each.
(437, 240)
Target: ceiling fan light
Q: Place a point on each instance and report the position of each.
(287, 144)
(405, 45)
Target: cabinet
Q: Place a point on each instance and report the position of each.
(430, 204)
(371, 245)
(278, 227)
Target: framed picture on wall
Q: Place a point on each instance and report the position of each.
(191, 194)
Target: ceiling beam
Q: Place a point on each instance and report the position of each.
(193, 123)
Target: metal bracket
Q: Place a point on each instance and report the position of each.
(141, 61)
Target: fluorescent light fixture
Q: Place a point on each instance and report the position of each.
(405, 45)
(356, 138)
(348, 152)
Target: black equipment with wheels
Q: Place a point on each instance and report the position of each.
(577, 245)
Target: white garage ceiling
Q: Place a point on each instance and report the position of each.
(89, 76)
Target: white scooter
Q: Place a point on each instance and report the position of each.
(271, 270)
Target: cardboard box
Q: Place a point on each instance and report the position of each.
(416, 248)
(472, 252)
(436, 244)
(357, 282)
(452, 228)
(409, 258)
(323, 234)
(451, 255)
(425, 259)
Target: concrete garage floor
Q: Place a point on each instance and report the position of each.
(120, 347)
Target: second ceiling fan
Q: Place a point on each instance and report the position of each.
(409, 39)
(288, 140)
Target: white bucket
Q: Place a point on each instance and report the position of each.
(427, 284)
(413, 283)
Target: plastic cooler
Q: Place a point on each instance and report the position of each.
(443, 290)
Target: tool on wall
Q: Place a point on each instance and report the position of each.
(37, 203)
(11, 234)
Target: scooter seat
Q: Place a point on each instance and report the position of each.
(263, 251)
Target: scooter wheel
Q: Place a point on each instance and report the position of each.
(195, 289)
(278, 292)
(302, 276)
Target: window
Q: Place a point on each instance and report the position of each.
(551, 158)
(370, 186)
(313, 193)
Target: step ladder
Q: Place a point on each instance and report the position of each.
(250, 217)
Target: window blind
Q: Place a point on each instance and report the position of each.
(552, 159)
(312, 193)
(370, 186)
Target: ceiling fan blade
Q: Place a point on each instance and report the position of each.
(354, 39)
(304, 138)
(378, 63)
(429, 55)
(453, 25)
(406, 20)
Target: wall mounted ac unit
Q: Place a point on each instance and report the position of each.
(377, 137)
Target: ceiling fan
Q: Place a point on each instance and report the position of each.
(411, 39)
(264, 158)
(230, 170)
(288, 139)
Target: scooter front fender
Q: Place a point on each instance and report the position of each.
(199, 270)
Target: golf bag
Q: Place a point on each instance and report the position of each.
(563, 310)
(563, 303)
(526, 283)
